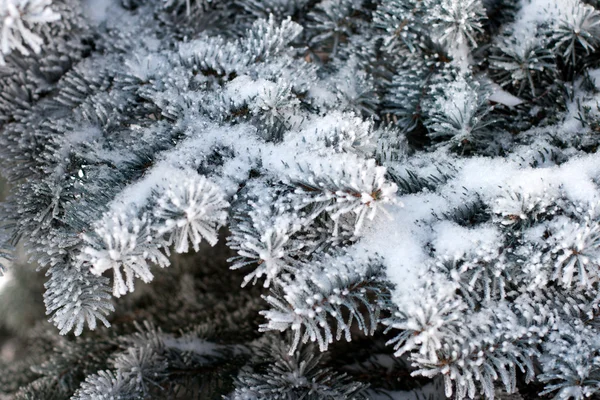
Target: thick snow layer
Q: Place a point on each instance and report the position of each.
(403, 240)
(535, 12)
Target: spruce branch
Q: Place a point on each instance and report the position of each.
(123, 241)
(294, 375)
(343, 289)
(192, 210)
(18, 18)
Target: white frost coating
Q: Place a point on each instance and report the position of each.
(183, 157)
(458, 21)
(359, 187)
(280, 159)
(344, 132)
(401, 240)
(322, 207)
(535, 12)
(17, 18)
(550, 13)
(193, 210)
(123, 245)
(578, 249)
(355, 186)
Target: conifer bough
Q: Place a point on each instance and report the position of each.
(377, 198)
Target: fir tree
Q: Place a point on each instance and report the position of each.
(298, 199)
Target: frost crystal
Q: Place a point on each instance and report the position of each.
(122, 244)
(192, 210)
(17, 19)
(417, 174)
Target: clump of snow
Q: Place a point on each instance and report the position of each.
(503, 97)
(403, 240)
(100, 11)
(534, 13)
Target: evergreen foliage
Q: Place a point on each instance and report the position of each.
(299, 199)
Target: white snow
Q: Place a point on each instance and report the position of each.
(99, 11)
(535, 12)
(402, 240)
(17, 17)
(503, 97)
